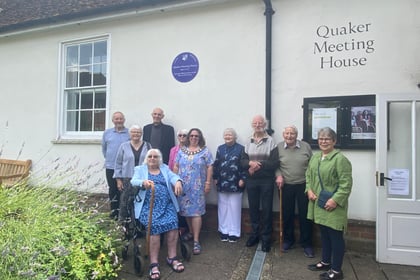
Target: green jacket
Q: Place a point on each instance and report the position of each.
(335, 169)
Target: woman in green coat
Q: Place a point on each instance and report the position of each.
(329, 170)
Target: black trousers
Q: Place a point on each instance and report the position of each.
(113, 192)
(261, 190)
(333, 247)
(292, 195)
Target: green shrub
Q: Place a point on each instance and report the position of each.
(53, 234)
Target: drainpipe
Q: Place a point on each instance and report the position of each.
(268, 25)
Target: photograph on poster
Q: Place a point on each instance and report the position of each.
(363, 122)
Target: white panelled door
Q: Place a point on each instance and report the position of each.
(398, 179)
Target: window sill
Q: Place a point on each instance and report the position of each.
(78, 141)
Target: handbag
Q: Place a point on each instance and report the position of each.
(323, 195)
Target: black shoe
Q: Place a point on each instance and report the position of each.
(319, 266)
(308, 252)
(233, 239)
(286, 246)
(252, 241)
(224, 237)
(331, 274)
(114, 215)
(265, 246)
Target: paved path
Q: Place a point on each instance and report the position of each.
(231, 261)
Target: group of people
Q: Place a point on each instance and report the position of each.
(181, 176)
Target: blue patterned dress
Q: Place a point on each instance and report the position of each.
(193, 172)
(164, 216)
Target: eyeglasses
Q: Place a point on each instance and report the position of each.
(193, 135)
(324, 139)
(182, 135)
(153, 156)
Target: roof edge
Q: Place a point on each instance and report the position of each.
(101, 14)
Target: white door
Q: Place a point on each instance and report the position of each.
(398, 179)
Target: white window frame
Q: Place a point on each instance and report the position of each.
(62, 134)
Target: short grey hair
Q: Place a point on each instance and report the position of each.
(136, 126)
(327, 131)
(292, 127)
(157, 151)
(183, 131)
(231, 131)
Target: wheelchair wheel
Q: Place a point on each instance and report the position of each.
(185, 250)
(139, 262)
(124, 252)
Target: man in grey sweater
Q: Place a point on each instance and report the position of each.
(294, 156)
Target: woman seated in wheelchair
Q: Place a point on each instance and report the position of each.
(155, 177)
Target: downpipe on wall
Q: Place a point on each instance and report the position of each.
(268, 49)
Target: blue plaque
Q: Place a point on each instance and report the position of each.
(185, 67)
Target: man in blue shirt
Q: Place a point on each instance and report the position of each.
(111, 141)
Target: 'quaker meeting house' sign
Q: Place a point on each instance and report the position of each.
(185, 67)
(343, 46)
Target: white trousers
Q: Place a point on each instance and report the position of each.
(229, 213)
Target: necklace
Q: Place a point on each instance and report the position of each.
(190, 153)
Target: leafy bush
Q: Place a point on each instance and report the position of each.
(54, 234)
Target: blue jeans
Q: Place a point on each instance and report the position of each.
(261, 190)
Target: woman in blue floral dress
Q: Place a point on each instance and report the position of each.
(193, 163)
(167, 186)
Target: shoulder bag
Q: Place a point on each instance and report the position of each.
(323, 195)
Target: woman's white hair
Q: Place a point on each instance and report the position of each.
(156, 151)
(183, 131)
(231, 131)
(135, 126)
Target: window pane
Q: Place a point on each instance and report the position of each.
(73, 100)
(398, 158)
(87, 100)
(99, 74)
(85, 76)
(100, 99)
(72, 121)
(417, 156)
(71, 77)
(86, 53)
(72, 57)
(86, 121)
(99, 120)
(100, 54)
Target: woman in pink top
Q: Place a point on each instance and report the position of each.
(182, 138)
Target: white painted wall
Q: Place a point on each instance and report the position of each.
(229, 41)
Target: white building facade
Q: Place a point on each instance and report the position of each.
(61, 81)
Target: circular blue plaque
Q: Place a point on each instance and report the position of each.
(185, 67)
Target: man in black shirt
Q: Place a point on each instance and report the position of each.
(161, 136)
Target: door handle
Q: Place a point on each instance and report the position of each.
(382, 179)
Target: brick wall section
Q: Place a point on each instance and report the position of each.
(360, 236)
